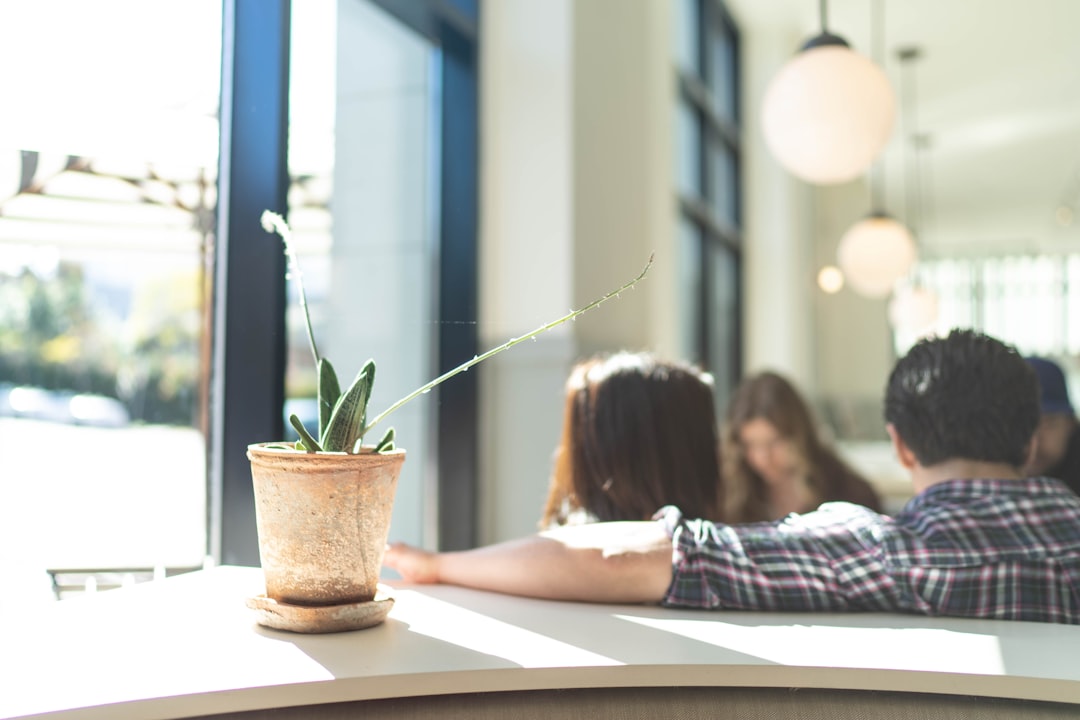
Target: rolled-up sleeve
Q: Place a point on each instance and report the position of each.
(817, 562)
(689, 586)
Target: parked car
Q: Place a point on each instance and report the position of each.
(34, 403)
(98, 410)
(62, 406)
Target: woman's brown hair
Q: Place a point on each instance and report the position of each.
(638, 433)
(770, 397)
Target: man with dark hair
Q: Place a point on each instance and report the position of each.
(1057, 438)
(979, 539)
(968, 396)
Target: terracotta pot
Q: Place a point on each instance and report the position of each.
(323, 521)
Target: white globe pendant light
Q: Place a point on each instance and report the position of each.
(828, 112)
(874, 253)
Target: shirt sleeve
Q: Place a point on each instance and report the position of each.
(823, 561)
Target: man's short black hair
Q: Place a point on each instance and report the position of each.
(966, 396)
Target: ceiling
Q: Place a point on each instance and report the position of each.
(997, 92)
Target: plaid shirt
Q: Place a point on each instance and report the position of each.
(973, 548)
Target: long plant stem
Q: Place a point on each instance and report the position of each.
(506, 346)
(272, 222)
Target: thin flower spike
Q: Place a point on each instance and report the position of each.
(572, 315)
(274, 223)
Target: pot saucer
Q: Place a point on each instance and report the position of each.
(322, 618)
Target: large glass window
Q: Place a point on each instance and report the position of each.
(108, 157)
(723, 302)
(691, 313)
(723, 181)
(722, 61)
(688, 150)
(1031, 301)
(687, 38)
(380, 185)
(143, 330)
(707, 170)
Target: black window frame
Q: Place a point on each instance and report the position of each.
(712, 20)
(248, 333)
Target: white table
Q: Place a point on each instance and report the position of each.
(187, 646)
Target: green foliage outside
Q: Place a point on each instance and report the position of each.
(52, 337)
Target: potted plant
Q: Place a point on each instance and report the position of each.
(323, 503)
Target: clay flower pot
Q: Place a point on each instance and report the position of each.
(323, 521)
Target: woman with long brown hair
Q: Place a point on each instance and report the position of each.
(774, 461)
(638, 434)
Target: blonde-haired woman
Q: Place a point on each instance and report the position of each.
(775, 463)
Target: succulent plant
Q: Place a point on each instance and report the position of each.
(343, 421)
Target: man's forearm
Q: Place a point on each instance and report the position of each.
(601, 562)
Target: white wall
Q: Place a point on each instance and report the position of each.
(854, 346)
(576, 192)
(624, 182)
(526, 253)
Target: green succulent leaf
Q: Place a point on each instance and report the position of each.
(306, 442)
(329, 392)
(369, 368)
(387, 442)
(346, 422)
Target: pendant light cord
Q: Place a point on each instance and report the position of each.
(912, 205)
(877, 169)
(824, 38)
(914, 199)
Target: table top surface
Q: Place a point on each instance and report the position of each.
(188, 645)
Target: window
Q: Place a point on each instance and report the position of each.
(380, 180)
(143, 337)
(108, 191)
(707, 156)
(1031, 301)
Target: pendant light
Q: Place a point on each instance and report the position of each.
(913, 311)
(829, 111)
(878, 250)
(874, 253)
